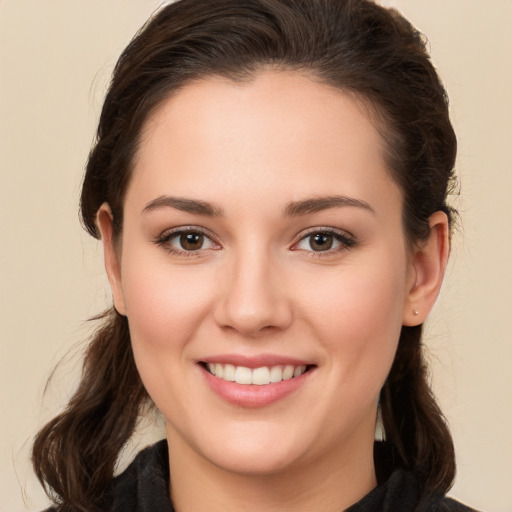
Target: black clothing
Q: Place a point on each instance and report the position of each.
(144, 487)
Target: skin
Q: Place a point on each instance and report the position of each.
(257, 287)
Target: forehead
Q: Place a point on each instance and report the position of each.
(279, 128)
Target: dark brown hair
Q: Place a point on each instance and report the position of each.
(353, 45)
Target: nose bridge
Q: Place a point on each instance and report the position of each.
(254, 294)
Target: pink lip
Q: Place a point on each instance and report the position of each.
(255, 361)
(251, 395)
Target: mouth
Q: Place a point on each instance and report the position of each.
(261, 376)
(258, 381)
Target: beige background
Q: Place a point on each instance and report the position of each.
(55, 59)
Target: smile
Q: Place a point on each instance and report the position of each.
(259, 376)
(258, 380)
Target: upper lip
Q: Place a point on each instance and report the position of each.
(256, 361)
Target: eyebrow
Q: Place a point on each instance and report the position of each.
(292, 209)
(317, 204)
(184, 204)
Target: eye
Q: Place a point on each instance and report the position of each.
(327, 240)
(186, 241)
(318, 242)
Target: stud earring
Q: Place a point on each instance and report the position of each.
(415, 312)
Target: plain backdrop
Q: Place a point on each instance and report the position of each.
(55, 61)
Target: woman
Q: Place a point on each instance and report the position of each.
(269, 182)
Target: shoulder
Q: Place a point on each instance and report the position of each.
(401, 491)
(144, 485)
(445, 504)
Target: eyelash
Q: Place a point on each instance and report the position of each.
(165, 239)
(345, 240)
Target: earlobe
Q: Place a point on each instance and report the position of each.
(429, 261)
(104, 221)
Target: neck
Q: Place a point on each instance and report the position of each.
(331, 483)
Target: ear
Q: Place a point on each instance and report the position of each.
(104, 220)
(428, 265)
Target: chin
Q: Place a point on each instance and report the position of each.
(244, 448)
(253, 460)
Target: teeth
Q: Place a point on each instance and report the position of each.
(276, 374)
(288, 372)
(229, 373)
(259, 376)
(243, 375)
(299, 370)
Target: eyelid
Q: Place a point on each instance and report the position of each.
(346, 240)
(166, 236)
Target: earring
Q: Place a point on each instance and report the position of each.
(415, 312)
(380, 433)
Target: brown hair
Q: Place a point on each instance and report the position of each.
(354, 45)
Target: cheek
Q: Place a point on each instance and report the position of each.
(164, 305)
(357, 300)
(358, 318)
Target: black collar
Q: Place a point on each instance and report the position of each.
(144, 487)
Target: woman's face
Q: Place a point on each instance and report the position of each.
(262, 238)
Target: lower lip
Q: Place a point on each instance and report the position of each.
(252, 395)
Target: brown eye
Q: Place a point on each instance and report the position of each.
(321, 241)
(186, 241)
(325, 241)
(191, 241)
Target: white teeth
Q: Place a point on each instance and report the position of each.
(259, 376)
(288, 372)
(243, 375)
(276, 374)
(299, 370)
(229, 373)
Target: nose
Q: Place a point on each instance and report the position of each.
(254, 297)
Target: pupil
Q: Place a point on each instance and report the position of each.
(191, 241)
(321, 242)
